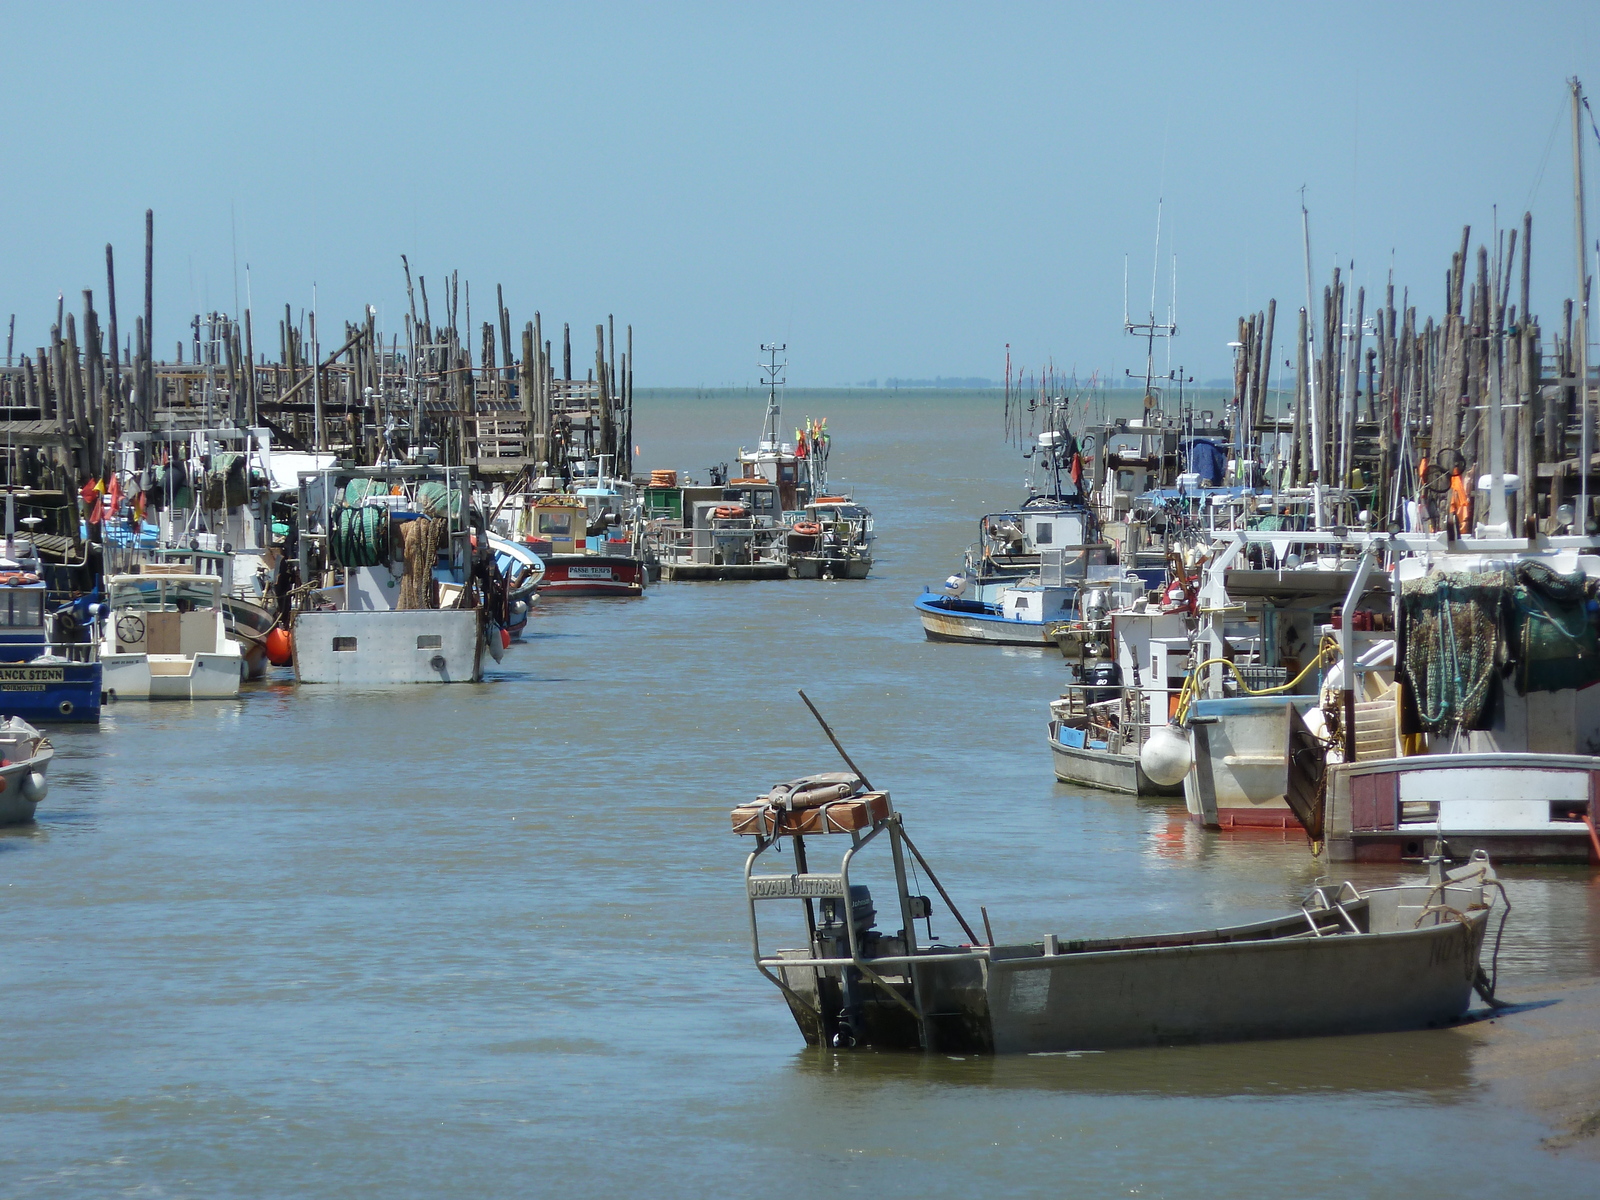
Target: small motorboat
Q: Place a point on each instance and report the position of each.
(1345, 961)
(25, 756)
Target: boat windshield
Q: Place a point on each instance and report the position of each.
(158, 593)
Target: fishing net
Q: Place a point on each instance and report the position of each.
(223, 484)
(359, 537)
(1454, 648)
(436, 500)
(421, 541)
(1552, 629)
(359, 489)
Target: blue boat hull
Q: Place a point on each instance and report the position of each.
(952, 620)
(50, 694)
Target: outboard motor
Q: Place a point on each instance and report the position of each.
(955, 585)
(833, 936)
(1104, 680)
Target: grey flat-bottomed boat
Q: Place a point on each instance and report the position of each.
(1347, 961)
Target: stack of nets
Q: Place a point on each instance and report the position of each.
(359, 537)
(421, 540)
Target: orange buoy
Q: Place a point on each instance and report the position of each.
(279, 647)
(807, 528)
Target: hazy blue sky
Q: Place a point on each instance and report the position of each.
(893, 190)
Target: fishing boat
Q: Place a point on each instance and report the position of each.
(1346, 960)
(586, 539)
(248, 622)
(1024, 573)
(1490, 738)
(778, 519)
(406, 596)
(522, 570)
(735, 531)
(164, 636)
(831, 539)
(1008, 611)
(25, 756)
(46, 673)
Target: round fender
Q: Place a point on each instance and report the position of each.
(35, 786)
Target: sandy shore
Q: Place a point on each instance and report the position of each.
(1546, 1057)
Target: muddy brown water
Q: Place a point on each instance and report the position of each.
(489, 940)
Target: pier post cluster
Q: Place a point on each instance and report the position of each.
(515, 408)
(1385, 408)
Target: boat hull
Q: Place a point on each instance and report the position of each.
(1398, 958)
(171, 676)
(1222, 993)
(809, 566)
(1105, 770)
(592, 575)
(1529, 808)
(407, 646)
(51, 693)
(693, 572)
(942, 624)
(22, 781)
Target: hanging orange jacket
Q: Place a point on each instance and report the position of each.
(1460, 502)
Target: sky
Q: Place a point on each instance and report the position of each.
(891, 190)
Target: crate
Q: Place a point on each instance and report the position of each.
(841, 816)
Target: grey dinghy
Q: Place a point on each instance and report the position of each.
(1403, 957)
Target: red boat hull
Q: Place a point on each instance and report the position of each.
(592, 575)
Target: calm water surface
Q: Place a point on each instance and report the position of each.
(489, 940)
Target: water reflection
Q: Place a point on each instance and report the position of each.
(1432, 1064)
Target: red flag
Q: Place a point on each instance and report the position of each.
(91, 493)
(114, 495)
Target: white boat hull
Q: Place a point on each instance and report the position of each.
(383, 647)
(172, 676)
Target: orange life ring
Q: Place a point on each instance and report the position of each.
(729, 512)
(807, 528)
(10, 579)
(30, 577)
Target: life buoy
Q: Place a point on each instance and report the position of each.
(30, 577)
(807, 528)
(729, 512)
(10, 579)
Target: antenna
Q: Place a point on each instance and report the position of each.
(1151, 329)
(774, 377)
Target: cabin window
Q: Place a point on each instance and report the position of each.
(557, 523)
(429, 641)
(343, 643)
(763, 502)
(1042, 532)
(1022, 602)
(22, 609)
(1124, 481)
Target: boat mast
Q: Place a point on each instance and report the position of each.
(1150, 330)
(773, 370)
(1315, 415)
(1581, 333)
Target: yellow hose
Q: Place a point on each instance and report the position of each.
(1186, 695)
